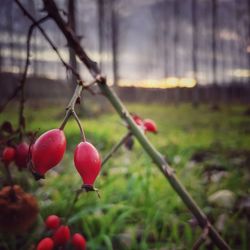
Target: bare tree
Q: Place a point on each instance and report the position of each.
(214, 97)
(176, 46)
(114, 25)
(195, 99)
(100, 5)
(72, 24)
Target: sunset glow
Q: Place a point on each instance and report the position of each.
(169, 82)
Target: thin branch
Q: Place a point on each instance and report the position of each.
(115, 148)
(72, 205)
(201, 239)
(24, 76)
(71, 37)
(10, 98)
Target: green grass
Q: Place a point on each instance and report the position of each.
(137, 204)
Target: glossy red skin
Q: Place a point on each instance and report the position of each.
(52, 222)
(22, 155)
(61, 236)
(8, 155)
(48, 150)
(150, 126)
(45, 244)
(79, 242)
(87, 162)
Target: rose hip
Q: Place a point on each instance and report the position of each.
(79, 242)
(87, 162)
(48, 150)
(22, 155)
(8, 155)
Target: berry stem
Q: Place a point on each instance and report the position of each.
(79, 125)
(116, 147)
(70, 110)
(71, 207)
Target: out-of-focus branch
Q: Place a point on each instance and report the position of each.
(202, 238)
(24, 76)
(10, 98)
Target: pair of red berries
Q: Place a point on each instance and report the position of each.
(61, 236)
(19, 154)
(147, 125)
(48, 151)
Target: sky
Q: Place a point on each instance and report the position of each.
(154, 42)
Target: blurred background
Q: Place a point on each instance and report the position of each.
(193, 50)
(184, 64)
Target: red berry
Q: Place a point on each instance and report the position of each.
(8, 155)
(48, 150)
(87, 162)
(137, 119)
(150, 126)
(45, 244)
(52, 222)
(61, 236)
(22, 155)
(79, 242)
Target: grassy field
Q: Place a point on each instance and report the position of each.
(209, 150)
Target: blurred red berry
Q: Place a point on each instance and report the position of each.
(52, 222)
(45, 244)
(48, 150)
(87, 162)
(22, 155)
(61, 235)
(149, 126)
(79, 242)
(8, 155)
(137, 119)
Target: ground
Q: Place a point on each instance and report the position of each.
(138, 209)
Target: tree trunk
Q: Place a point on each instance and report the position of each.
(72, 56)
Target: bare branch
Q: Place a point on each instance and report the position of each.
(202, 238)
(24, 76)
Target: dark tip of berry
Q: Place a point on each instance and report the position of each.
(38, 176)
(88, 188)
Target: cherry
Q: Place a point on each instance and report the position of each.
(22, 155)
(45, 244)
(8, 155)
(87, 162)
(149, 126)
(52, 222)
(79, 242)
(48, 151)
(62, 235)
